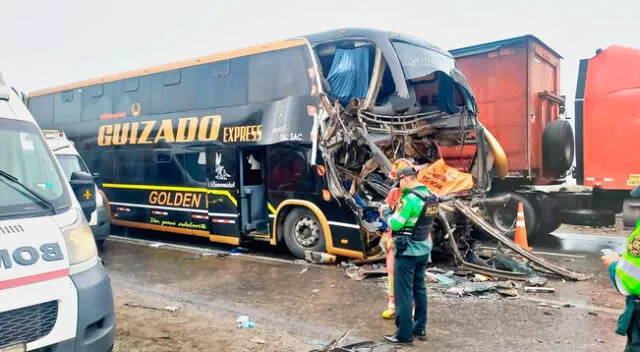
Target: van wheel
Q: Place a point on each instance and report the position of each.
(557, 146)
(303, 232)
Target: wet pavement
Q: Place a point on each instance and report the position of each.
(320, 302)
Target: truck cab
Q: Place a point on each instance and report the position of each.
(55, 293)
(71, 161)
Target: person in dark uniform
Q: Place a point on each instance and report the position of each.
(411, 224)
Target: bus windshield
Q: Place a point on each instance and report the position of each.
(25, 157)
(418, 61)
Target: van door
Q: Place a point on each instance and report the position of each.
(253, 198)
(222, 194)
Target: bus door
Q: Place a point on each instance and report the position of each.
(222, 194)
(253, 195)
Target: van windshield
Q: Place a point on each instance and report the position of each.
(70, 163)
(25, 156)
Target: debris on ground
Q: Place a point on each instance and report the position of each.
(319, 257)
(539, 289)
(171, 309)
(304, 270)
(215, 254)
(238, 251)
(243, 321)
(593, 313)
(364, 346)
(258, 340)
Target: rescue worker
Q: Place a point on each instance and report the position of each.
(411, 225)
(386, 242)
(625, 275)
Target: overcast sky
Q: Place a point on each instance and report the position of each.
(50, 42)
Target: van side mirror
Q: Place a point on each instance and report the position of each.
(84, 187)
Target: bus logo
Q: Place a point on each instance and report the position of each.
(221, 172)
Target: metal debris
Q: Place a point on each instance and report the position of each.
(539, 289)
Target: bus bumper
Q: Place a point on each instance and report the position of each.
(96, 318)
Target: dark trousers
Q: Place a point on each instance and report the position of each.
(633, 333)
(409, 288)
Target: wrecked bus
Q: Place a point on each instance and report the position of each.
(287, 142)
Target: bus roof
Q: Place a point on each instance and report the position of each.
(256, 49)
(377, 35)
(316, 38)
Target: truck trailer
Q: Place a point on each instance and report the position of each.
(516, 83)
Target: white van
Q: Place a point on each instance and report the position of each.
(55, 294)
(70, 160)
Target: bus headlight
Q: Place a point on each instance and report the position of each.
(80, 245)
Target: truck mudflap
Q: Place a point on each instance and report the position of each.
(482, 224)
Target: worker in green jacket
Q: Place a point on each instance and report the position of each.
(625, 275)
(411, 225)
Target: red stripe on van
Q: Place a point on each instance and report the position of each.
(27, 280)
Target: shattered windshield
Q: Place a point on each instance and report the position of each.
(418, 61)
(25, 156)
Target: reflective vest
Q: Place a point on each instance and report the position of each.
(628, 267)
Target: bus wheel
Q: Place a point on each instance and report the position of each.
(303, 232)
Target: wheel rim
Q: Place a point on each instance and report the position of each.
(306, 232)
(504, 217)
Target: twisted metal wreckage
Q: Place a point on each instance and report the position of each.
(358, 138)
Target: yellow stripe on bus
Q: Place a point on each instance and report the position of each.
(173, 188)
(272, 209)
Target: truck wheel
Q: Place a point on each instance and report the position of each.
(587, 217)
(549, 227)
(303, 232)
(557, 146)
(503, 216)
(546, 212)
(630, 213)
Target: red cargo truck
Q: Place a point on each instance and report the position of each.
(517, 87)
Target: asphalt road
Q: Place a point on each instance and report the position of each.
(294, 304)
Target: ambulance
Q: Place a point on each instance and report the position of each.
(71, 161)
(55, 293)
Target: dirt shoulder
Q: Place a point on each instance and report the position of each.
(151, 328)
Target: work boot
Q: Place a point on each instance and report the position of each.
(389, 314)
(421, 335)
(393, 339)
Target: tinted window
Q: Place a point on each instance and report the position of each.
(67, 107)
(278, 74)
(288, 169)
(97, 102)
(252, 168)
(222, 83)
(129, 165)
(194, 163)
(42, 109)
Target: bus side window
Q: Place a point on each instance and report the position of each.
(252, 169)
(129, 165)
(194, 164)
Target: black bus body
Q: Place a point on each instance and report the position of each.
(229, 146)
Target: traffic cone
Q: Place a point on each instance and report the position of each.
(520, 237)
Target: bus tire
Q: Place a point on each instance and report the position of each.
(303, 232)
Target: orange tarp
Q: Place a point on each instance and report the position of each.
(441, 178)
